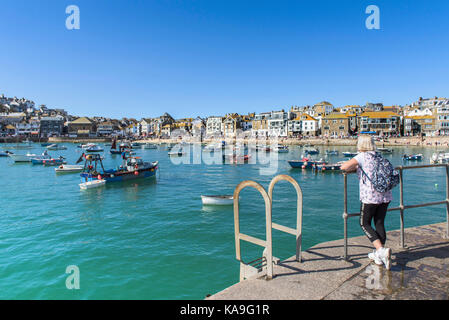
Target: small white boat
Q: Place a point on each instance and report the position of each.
(69, 168)
(176, 153)
(223, 200)
(385, 150)
(280, 149)
(149, 146)
(94, 148)
(440, 157)
(23, 157)
(92, 184)
(56, 147)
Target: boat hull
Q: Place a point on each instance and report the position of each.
(303, 164)
(118, 176)
(69, 169)
(92, 184)
(217, 200)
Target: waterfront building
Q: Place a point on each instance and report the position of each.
(309, 125)
(294, 126)
(29, 127)
(421, 124)
(81, 127)
(214, 126)
(442, 117)
(231, 123)
(12, 117)
(182, 126)
(335, 125)
(260, 125)
(166, 130)
(278, 124)
(51, 126)
(146, 126)
(384, 123)
(199, 127)
(105, 128)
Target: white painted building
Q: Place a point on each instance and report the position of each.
(214, 126)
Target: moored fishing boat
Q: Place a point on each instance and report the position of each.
(332, 152)
(280, 149)
(385, 150)
(305, 163)
(94, 148)
(329, 166)
(412, 157)
(223, 200)
(39, 159)
(312, 151)
(54, 162)
(132, 168)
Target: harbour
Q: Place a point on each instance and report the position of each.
(154, 238)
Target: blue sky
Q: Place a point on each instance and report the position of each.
(142, 58)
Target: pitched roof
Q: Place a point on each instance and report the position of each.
(379, 114)
(82, 120)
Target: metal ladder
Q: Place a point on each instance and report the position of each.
(259, 267)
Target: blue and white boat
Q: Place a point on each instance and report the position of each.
(41, 158)
(312, 151)
(412, 157)
(132, 168)
(305, 163)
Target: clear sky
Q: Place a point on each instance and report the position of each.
(141, 58)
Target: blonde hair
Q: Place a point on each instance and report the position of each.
(366, 143)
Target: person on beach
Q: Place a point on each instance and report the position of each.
(373, 203)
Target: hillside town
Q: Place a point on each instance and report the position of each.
(425, 117)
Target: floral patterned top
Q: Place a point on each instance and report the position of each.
(367, 192)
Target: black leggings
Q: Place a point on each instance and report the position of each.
(378, 212)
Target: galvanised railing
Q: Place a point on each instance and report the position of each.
(401, 207)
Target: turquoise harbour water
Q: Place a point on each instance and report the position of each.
(152, 238)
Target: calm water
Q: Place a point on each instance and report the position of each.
(152, 239)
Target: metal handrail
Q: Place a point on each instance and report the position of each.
(267, 244)
(298, 231)
(401, 207)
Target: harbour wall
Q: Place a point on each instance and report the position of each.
(420, 270)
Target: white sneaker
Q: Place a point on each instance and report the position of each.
(385, 256)
(374, 256)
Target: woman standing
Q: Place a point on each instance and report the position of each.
(374, 204)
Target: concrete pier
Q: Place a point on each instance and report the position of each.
(419, 271)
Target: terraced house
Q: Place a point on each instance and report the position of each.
(421, 124)
(82, 127)
(335, 125)
(384, 123)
